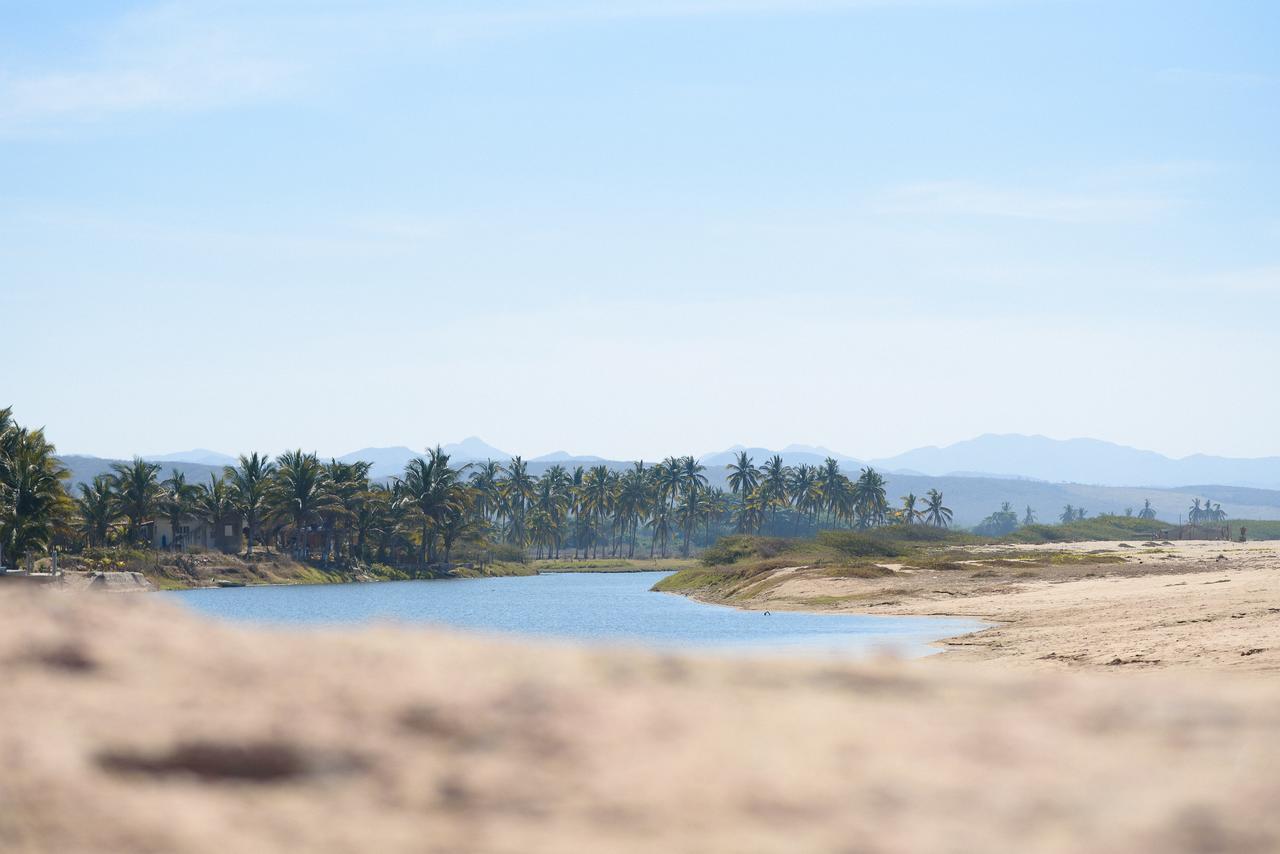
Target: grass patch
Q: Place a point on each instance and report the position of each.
(1099, 528)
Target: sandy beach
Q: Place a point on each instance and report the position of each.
(128, 725)
(1203, 605)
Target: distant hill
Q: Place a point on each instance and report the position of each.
(792, 455)
(384, 462)
(199, 455)
(566, 457)
(84, 469)
(389, 462)
(474, 448)
(1084, 461)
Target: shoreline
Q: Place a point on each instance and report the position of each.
(1203, 605)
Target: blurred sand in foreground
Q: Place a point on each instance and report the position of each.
(129, 725)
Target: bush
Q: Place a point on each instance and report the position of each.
(855, 544)
(729, 550)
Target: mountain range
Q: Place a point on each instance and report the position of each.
(1083, 461)
(976, 476)
(1012, 456)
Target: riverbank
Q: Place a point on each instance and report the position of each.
(1130, 606)
(165, 570)
(405, 740)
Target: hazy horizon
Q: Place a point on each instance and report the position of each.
(641, 229)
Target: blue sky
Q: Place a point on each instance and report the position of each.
(639, 228)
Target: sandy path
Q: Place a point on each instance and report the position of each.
(126, 725)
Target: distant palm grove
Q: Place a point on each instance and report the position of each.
(332, 511)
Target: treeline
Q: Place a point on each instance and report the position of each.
(332, 511)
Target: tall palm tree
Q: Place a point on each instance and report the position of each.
(96, 507)
(347, 482)
(138, 492)
(773, 484)
(1147, 512)
(213, 504)
(250, 480)
(34, 507)
(176, 504)
(299, 490)
(1068, 515)
(744, 477)
(909, 514)
(669, 477)
(691, 474)
(692, 510)
(519, 488)
(1029, 518)
(432, 490)
(806, 495)
(833, 484)
(935, 513)
(870, 502)
(485, 481)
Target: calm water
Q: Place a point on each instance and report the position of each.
(592, 607)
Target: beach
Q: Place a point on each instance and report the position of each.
(130, 725)
(1208, 605)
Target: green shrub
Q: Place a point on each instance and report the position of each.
(855, 544)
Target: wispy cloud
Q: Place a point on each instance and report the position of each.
(969, 199)
(161, 59)
(198, 56)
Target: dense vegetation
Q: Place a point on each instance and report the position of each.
(333, 514)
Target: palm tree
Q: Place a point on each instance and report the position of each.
(485, 481)
(431, 490)
(213, 503)
(691, 474)
(870, 503)
(96, 507)
(138, 492)
(743, 476)
(934, 512)
(250, 480)
(750, 517)
(1068, 515)
(1030, 517)
(176, 503)
(34, 507)
(660, 523)
(833, 486)
(669, 477)
(909, 514)
(519, 488)
(806, 496)
(1147, 512)
(773, 483)
(347, 482)
(298, 492)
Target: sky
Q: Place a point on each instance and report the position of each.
(640, 228)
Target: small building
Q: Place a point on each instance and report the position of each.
(197, 533)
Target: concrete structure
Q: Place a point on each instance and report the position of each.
(197, 533)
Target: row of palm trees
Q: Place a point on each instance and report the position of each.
(1206, 513)
(433, 505)
(334, 511)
